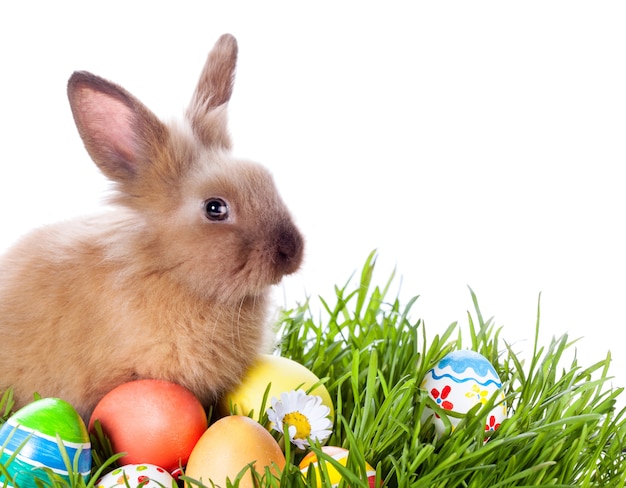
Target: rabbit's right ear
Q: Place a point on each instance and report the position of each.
(207, 110)
(118, 131)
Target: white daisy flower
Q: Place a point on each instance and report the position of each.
(303, 415)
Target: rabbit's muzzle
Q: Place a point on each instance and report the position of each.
(288, 250)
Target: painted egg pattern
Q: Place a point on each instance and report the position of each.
(144, 475)
(458, 382)
(31, 433)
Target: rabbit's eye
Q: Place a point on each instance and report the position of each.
(216, 209)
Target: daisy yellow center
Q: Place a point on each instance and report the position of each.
(300, 422)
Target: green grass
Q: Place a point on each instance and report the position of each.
(563, 427)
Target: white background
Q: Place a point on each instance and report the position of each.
(475, 144)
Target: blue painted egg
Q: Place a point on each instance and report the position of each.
(29, 437)
(458, 382)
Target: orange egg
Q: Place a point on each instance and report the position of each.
(228, 446)
(153, 421)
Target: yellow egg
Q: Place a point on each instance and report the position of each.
(340, 455)
(227, 447)
(284, 374)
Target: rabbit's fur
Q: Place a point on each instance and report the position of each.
(174, 284)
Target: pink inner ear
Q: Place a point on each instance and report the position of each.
(109, 125)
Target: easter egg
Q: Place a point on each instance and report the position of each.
(228, 446)
(152, 421)
(458, 382)
(339, 454)
(283, 374)
(31, 433)
(146, 475)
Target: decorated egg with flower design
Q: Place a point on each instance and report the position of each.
(144, 475)
(460, 381)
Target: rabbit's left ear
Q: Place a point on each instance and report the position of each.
(207, 110)
(118, 131)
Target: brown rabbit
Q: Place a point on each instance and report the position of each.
(174, 284)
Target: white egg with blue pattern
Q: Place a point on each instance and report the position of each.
(460, 381)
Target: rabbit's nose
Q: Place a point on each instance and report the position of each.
(289, 249)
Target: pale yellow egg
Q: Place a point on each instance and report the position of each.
(284, 375)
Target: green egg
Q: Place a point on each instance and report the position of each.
(52, 416)
(47, 433)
